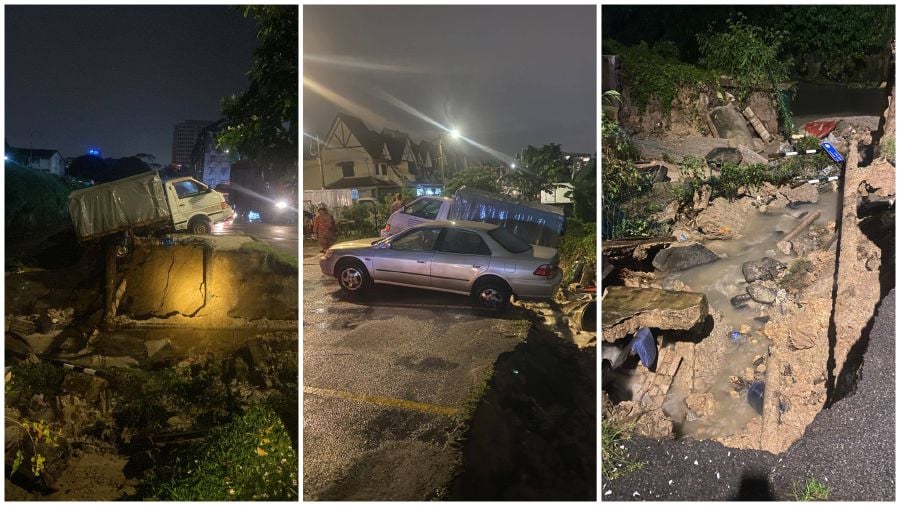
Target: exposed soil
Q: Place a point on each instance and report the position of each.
(184, 354)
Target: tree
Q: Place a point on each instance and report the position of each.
(481, 178)
(104, 170)
(262, 121)
(584, 192)
(539, 169)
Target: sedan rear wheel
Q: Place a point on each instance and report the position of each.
(492, 296)
(353, 278)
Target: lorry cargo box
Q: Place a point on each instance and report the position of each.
(133, 202)
(535, 223)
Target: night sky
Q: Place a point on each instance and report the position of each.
(119, 78)
(506, 76)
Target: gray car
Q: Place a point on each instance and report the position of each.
(482, 260)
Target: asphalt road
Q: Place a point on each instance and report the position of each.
(283, 237)
(849, 447)
(385, 381)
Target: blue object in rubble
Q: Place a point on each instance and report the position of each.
(755, 395)
(833, 153)
(735, 336)
(644, 344)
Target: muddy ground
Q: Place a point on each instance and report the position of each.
(203, 343)
(413, 395)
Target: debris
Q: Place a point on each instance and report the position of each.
(644, 344)
(766, 268)
(819, 128)
(762, 293)
(755, 395)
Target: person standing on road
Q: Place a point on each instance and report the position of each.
(324, 227)
(397, 204)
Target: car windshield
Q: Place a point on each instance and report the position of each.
(509, 241)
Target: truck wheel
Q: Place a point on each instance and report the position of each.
(491, 295)
(353, 278)
(199, 226)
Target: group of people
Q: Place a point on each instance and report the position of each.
(324, 225)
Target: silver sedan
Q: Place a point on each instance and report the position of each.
(484, 261)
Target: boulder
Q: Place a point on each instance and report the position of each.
(731, 124)
(766, 268)
(741, 301)
(724, 219)
(762, 293)
(719, 156)
(679, 258)
(627, 309)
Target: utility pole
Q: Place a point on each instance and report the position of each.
(319, 158)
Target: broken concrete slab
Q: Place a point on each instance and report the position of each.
(680, 258)
(626, 309)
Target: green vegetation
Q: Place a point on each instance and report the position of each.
(579, 242)
(41, 436)
(28, 379)
(624, 214)
(35, 200)
(249, 459)
(615, 459)
(360, 221)
(888, 149)
(280, 258)
(794, 278)
(747, 53)
(656, 72)
(262, 121)
(810, 490)
(481, 178)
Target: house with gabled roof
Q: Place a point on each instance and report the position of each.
(47, 160)
(351, 155)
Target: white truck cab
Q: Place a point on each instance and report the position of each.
(418, 211)
(195, 207)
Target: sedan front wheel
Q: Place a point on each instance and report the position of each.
(353, 278)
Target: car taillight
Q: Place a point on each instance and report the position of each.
(545, 270)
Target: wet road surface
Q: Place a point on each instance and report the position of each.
(282, 237)
(386, 381)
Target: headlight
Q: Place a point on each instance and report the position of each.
(281, 204)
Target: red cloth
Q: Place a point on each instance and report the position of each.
(820, 128)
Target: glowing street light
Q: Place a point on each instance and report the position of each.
(454, 133)
(512, 166)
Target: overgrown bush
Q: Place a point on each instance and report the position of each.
(35, 200)
(578, 243)
(30, 379)
(481, 178)
(749, 54)
(655, 72)
(249, 459)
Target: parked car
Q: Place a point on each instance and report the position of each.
(482, 260)
(536, 223)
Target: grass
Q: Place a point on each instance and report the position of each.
(249, 459)
(281, 258)
(810, 490)
(615, 458)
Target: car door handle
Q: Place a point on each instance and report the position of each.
(420, 261)
(477, 266)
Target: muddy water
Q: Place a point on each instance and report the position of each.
(722, 280)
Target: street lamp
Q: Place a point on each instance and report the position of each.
(512, 166)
